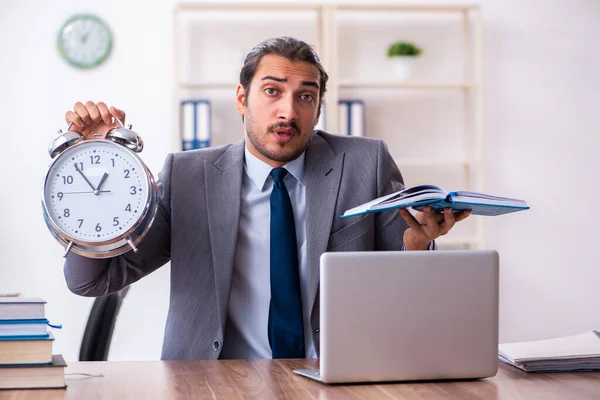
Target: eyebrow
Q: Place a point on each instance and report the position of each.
(276, 79)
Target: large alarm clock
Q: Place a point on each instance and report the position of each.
(99, 199)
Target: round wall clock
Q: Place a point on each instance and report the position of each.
(84, 41)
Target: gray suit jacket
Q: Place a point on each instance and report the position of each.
(196, 229)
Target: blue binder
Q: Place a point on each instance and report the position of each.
(352, 117)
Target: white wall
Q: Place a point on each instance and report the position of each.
(38, 87)
(540, 81)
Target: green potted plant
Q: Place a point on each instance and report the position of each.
(403, 54)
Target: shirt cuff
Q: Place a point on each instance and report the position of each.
(432, 246)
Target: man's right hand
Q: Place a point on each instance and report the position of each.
(94, 118)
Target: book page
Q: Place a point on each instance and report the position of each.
(412, 193)
(482, 198)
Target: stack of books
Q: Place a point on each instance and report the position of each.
(570, 353)
(26, 359)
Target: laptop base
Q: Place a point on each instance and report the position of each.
(310, 373)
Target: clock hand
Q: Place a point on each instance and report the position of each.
(90, 192)
(86, 179)
(102, 180)
(84, 37)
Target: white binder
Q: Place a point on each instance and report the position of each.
(195, 124)
(352, 117)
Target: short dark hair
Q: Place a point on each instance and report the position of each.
(284, 46)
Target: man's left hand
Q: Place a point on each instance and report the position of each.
(428, 225)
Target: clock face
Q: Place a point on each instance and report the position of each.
(96, 191)
(84, 41)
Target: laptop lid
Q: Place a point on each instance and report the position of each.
(408, 315)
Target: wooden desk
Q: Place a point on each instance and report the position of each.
(266, 379)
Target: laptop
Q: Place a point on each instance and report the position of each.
(407, 315)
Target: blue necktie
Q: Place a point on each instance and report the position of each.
(286, 330)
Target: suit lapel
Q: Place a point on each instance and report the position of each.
(223, 193)
(323, 174)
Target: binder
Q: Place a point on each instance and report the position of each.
(195, 124)
(322, 123)
(352, 117)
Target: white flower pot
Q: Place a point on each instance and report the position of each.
(403, 66)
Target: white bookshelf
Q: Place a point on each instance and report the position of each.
(327, 32)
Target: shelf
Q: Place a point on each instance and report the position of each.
(415, 7)
(227, 6)
(329, 21)
(411, 85)
(208, 85)
(427, 162)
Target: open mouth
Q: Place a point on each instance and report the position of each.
(284, 134)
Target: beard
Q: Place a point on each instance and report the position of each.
(280, 152)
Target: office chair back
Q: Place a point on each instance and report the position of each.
(100, 325)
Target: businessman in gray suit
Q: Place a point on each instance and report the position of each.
(244, 224)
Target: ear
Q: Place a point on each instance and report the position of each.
(240, 100)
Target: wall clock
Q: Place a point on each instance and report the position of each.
(84, 41)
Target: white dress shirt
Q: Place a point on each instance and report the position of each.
(247, 318)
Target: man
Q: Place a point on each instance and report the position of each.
(244, 224)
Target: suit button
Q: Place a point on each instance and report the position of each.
(216, 345)
(317, 330)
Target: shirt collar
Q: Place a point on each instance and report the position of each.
(258, 171)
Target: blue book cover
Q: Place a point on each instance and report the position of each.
(417, 197)
(47, 336)
(25, 327)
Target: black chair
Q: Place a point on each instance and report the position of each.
(100, 325)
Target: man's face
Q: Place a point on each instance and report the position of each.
(281, 109)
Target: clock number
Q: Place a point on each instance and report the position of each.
(67, 180)
(67, 213)
(80, 222)
(128, 208)
(115, 221)
(95, 159)
(133, 190)
(98, 227)
(59, 195)
(80, 164)
(126, 172)
(113, 161)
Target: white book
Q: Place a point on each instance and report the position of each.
(23, 327)
(569, 353)
(202, 121)
(187, 120)
(195, 124)
(321, 123)
(22, 308)
(357, 117)
(343, 115)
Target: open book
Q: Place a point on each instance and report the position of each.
(571, 353)
(422, 195)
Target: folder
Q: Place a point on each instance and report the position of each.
(322, 123)
(195, 124)
(352, 117)
(579, 352)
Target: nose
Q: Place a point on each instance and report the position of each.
(286, 110)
